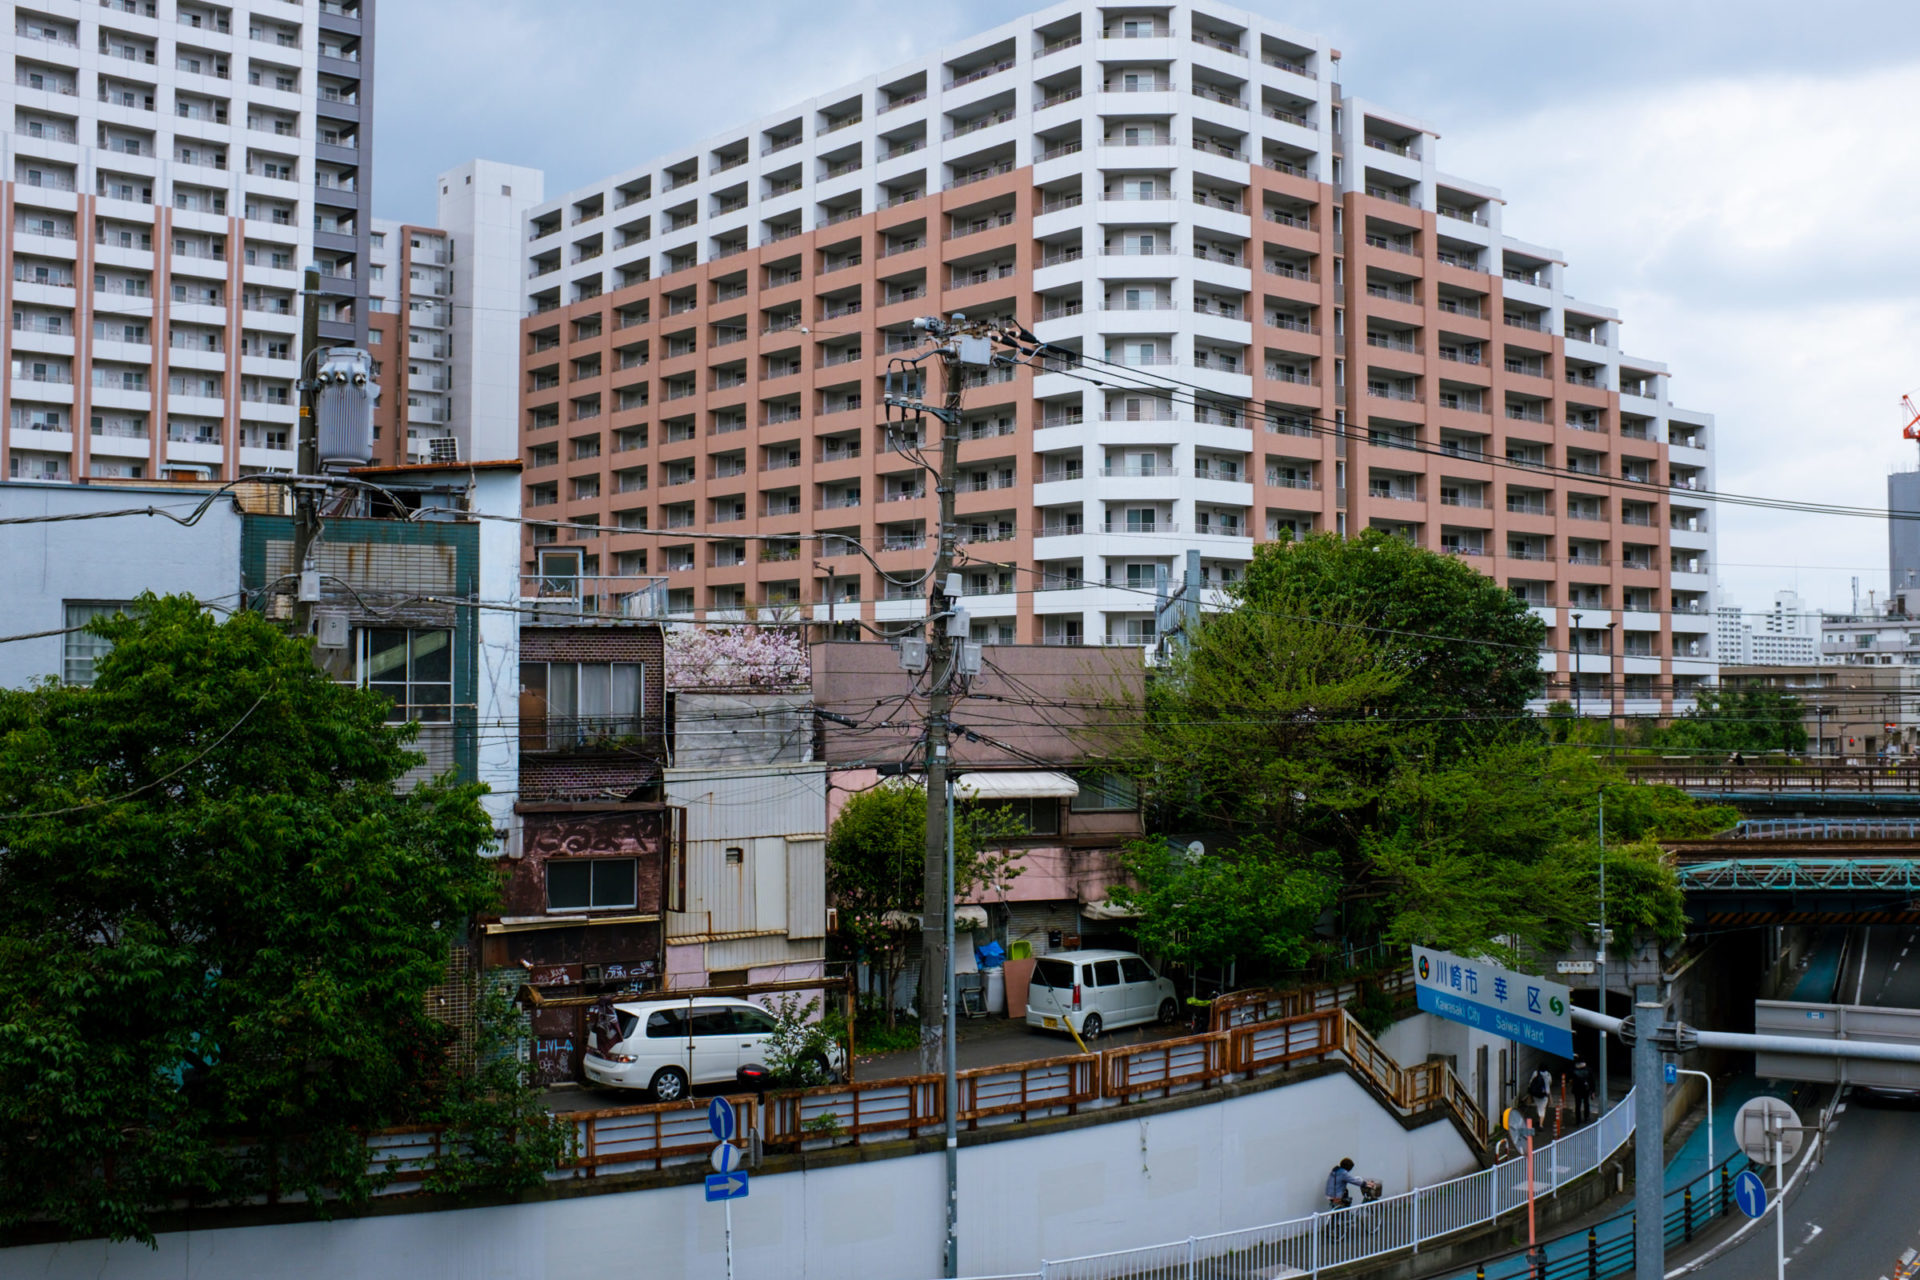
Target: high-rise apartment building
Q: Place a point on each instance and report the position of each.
(1787, 634)
(446, 317)
(170, 167)
(1287, 317)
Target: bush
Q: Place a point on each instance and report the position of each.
(800, 1047)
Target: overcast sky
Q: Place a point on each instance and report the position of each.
(1738, 177)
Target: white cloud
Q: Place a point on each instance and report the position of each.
(1754, 236)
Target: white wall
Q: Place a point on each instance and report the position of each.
(1129, 1182)
(44, 565)
(497, 632)
(483, 206)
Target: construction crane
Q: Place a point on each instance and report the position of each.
(1912, 429)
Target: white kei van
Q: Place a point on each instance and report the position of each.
(667, 1046)
(1096, 991)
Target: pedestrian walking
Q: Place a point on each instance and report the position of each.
(1539, 1089)
(1582, 1080)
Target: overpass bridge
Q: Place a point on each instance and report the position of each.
(1793, 789)
(1803, 871)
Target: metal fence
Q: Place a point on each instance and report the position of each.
(1606, 1249)
(1395, 1224)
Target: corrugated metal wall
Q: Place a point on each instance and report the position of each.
(807, 886)
(775, 817)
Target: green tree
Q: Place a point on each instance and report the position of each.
(876, 863)
(1352, 739)
(221, 925)
(1751, 719)
(1249, 901)
(1462, 646)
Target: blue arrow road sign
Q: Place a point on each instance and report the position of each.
(1672, 1072)
(1749, 1192)
(721, 1119)
(726, 1186)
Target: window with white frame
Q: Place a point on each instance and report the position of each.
(413, 668)
(82, 649)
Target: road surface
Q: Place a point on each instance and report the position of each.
(1860, 1209)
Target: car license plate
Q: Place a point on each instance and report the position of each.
(1051, 1024)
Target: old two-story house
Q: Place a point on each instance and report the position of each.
(594, 871)
(1029, 732)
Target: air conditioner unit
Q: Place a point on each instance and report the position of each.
(443, 449)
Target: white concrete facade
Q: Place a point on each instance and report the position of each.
(167, 169)
(483, 206)
(1137, 126)
(50, 574)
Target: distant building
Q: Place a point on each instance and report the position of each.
(445, 321)
(1788, 633)
(1885, 634)
(167, 177)
(1851, 712)
(1903, 536)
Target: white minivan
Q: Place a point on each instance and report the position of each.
(1096, 991)
(667, 1046)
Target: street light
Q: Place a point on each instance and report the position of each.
(1573, 638)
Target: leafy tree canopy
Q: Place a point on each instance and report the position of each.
(221, 926)
(1351, 740)
(1461, 644)
(1751, 719)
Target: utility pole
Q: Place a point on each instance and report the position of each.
(1649, 1158)
(1601, 953)
(307, 493)
(961, 345)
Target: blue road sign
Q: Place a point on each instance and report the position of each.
(1671, 1072)
(726, 1186)
(721, 1119)
(1749, 1192)
(1513, 1005)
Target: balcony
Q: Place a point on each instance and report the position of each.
(981, 73)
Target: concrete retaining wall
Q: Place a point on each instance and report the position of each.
(1087, 1187)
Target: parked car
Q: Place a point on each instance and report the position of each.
(1096, 991)
(668, 1046)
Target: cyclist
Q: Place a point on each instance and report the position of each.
(1340, 1180)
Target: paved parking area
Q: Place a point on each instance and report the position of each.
(984, 1042)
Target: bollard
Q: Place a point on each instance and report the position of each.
(1687, 1201)
(1593, 1254)
(1480, 1272)
(1726, 1191)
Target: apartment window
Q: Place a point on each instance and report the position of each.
(82, 649)
(414, 669)
(566, 704)
(588, 884)
(1104, 792)
(1023, 815)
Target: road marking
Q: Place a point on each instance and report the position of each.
(1811, 1235)
(1903, 951)
(1840, 1109)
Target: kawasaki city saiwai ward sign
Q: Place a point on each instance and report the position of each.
(1516, 1006)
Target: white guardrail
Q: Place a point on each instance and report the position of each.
(1393, 1224)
